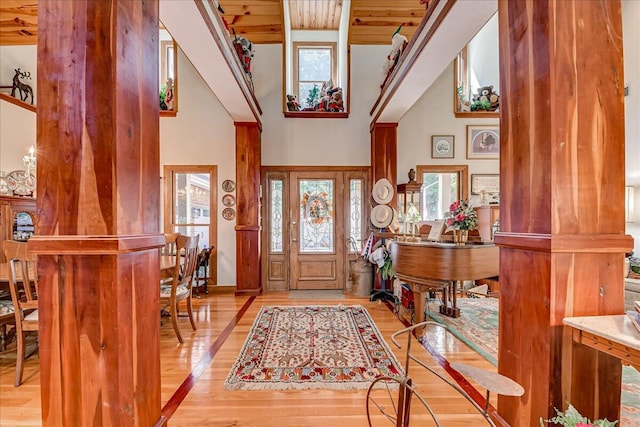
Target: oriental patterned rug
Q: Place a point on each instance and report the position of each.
(477, 326)
(312, 347)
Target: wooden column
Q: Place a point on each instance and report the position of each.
(562, 183)
(98, 209)
(248, 159)
(384, 153)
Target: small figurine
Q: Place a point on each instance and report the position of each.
(24, 89)
(168, 99)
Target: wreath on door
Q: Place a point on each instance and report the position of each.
(316, 207)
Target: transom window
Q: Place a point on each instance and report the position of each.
(314, 64)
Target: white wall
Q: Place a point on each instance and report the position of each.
(201, 133)
(433, 115)
(631, 36)
(17, 125)
(319, 142)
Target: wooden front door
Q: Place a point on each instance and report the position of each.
(317, 238)
(308, 217)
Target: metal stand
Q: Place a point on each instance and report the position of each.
(383, 294)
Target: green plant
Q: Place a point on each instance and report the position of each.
(481, 105)
(572, 418)
(313, 97)
(386, 271)
(163, 96)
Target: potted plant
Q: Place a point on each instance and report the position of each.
(572, 418)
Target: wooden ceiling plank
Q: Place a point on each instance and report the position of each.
(325, 20)
(255, 8)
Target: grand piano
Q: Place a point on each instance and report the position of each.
(430, 266)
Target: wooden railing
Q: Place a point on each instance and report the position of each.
(18, 102)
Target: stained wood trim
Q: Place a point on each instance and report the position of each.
(407, 60)
(168, 113)
(315, 115)
(247, 228)
(18, 102)
(265, 169)
(229, 55)
(621, 351)
(462, 170)
(93, 245)
(181, 393)
(581, 243)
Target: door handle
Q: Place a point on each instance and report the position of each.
(294, 240)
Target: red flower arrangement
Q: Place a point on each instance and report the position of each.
(461, 216)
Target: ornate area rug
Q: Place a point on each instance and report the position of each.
(312, 347)
(477, 326)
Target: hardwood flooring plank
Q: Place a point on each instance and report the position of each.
(193, 374)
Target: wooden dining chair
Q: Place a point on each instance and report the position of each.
(11, 249)
(179, 288)
(205, 269)
(23, 285)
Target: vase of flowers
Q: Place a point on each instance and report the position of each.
(460, 219)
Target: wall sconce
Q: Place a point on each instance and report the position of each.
(629, 204)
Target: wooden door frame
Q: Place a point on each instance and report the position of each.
(212, 170)
(266, 172)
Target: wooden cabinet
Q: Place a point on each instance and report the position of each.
(487, 216)
(17, 219)
(408, 193)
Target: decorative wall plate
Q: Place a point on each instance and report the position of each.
(21, 183)
(228, 185)
(228, 200)
(228, 214)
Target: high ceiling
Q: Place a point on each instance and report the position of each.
(261, 21)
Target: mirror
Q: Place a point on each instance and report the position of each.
(168, 74)
(476, 75)
(440, 186)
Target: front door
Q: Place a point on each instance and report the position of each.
(317, 238)
(309, 217)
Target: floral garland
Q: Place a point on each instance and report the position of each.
(316, 207)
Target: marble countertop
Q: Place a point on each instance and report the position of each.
(616, 328)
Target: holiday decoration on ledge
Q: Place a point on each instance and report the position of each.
(245, 51)
(317, 208)
(460, 219)
(24, 89)
(327, 98)
(398, 45)
(486, 100)
(166, 95)
(292, 103)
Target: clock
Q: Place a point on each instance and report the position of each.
(442, 146)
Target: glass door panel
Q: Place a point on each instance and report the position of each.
(316, 216)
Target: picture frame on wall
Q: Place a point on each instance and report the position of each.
(483, 142)
(443, 146)
(489, 183)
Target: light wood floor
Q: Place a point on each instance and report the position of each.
(202, 400)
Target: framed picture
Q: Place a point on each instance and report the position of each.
(483, 142)
(485, 182)
(442, 146)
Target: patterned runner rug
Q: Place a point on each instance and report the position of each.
(305, 347)
(477, 326)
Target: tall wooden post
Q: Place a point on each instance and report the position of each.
(248, 159)
(562, 191)
(384, 153)
(98, 209)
